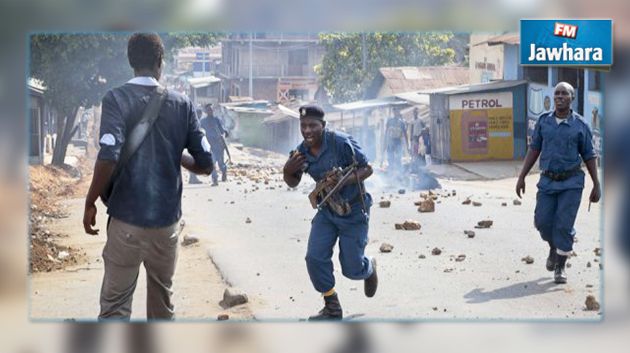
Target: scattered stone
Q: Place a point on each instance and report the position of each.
(466, 202)
(476, 204)
(460, 258)
(385, 204)
(247, 220)
(469, 233)
(448, 270)
(454, 192)
(401, 191)
(223, 317)
(426, 206)
(63, 255)
(528, 260)
(189, 240)
(598, 251)
(589, 286)
(232, 297)
(436, 251)
(422, 256)
(386, 248)
(484, 224)
(517, 202)
(504, 204)
(408, 225)
(591, 303)
(588, 264)
(568, 264)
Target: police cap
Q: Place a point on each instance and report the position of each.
(311, 111)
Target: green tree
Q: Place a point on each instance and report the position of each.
(77, 70)
(352, 60)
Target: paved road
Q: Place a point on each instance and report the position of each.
(265, 258)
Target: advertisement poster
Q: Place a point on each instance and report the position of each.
(485, 124)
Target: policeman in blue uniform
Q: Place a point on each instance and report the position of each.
(215, 132)
(562, 140)
(321, 151)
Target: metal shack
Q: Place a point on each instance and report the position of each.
(478, 122)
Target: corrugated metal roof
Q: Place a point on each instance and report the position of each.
(478, 87)
(198, 82)
(282, 114)
(412, 78)
(366, 104)
(415, 97)
(508, 38)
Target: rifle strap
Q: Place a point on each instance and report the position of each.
(333, 142)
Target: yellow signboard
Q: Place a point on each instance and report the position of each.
(482, 126)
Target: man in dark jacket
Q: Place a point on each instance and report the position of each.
(145, 203)
(216, 134)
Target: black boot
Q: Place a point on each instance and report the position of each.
(331, 311)
(371, 283)
(559, 276)
(551, 259)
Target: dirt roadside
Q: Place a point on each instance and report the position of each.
(66, 264)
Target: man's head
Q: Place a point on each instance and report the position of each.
(563, 96)
(208, 109)
(415, 113)
(145, 52)
(312, 124)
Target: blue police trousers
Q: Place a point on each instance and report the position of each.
(352, 232)
(555, 215)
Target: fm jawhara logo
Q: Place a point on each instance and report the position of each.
(566, 42)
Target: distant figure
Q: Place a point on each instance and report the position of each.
(426, 140)
(417, 126)
(395, 138)
(216, 134)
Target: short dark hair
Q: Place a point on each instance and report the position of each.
(145, 50)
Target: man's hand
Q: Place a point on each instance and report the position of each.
(596, 194)
(294, 164)
(332, 180)
(520, 187)
(89, 219)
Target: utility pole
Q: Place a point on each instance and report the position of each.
(251, 83)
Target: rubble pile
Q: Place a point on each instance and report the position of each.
(47, 185)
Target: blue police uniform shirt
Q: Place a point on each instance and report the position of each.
(149, 189)
(214, 129)
(562, 148)
(344, 145)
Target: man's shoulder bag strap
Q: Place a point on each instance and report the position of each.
(135, 137)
